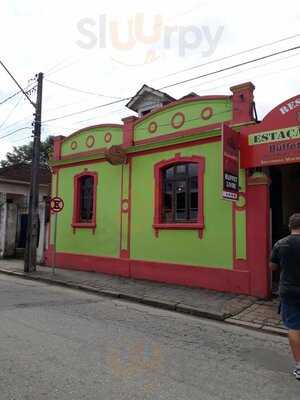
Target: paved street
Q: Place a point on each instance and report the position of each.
(58, 343)
(237, 309)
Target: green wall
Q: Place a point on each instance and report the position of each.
(182, 246)
(222, 111)
(214, 249)
(105, 241)
(99, 135)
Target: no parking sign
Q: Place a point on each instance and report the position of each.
(56, 204)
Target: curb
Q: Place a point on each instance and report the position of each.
(257, 327)
(177, 307)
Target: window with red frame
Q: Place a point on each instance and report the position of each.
(180, 193)
(86, 198)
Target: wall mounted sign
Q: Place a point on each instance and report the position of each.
(275, 140)
(230, 157)
(56, 204)
(281, 146)
(116, 155)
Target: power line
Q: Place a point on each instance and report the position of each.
(80, 90)
(180, 82)
(187, 120)
(54, 71)
(10, 113)
(227, 57)
(10, 97)
(248, 69)
(15, 131)
(21, 139)
(206, 82)
(256, 76)
(87, 109)
(17, 83)
(56, 66)
(16, 93)
(27, 119)
(231, 67)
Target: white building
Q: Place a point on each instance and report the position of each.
(14, 199)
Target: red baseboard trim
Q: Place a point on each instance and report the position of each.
(233, 281)
(80, 262)
(203, 277)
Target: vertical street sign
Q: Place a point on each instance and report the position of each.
(230, 163)
(56, 206)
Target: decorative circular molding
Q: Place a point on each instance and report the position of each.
(107, 137)
(73, 145)
(240, 205)
(90, 141)
(125, 205)
(178, 120)
(206, 113)
(152, 127)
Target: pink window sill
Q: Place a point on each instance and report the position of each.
(88, 225)
(183, 226)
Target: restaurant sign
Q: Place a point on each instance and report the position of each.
(275, 140)
(275, 147)
(230, 153)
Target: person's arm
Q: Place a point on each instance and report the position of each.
(273, 266)
(274, 263)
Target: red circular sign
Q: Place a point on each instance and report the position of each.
(56, 204)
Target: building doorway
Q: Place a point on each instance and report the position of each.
(284, 201)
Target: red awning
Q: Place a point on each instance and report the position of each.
(275, 140)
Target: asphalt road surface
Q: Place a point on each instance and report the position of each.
(57, 343)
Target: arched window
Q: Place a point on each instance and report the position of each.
(180, 193)
(86, 184)
(85, 202)
(179, 186)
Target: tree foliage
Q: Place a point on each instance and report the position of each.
(23, 154)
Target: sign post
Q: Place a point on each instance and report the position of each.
(56, 206)
(230, 160)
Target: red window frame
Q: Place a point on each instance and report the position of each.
(158, 194)
(76, 223)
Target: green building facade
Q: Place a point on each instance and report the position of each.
(143, 199)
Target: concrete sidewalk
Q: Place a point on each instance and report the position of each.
(237, 309)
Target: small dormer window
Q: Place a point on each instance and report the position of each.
(145, 112)
(148, 99)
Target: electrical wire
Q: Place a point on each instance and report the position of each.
(231, 67)
(10, 97)
(80, 90)
(17, 83)
(180, 82)
(209, 89)
(15, 131)
(246, 70)
(54, 71)
(21, 139)
(228, 57)
(10, 113)
(186, 120)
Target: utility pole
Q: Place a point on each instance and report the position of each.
(32, 226)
